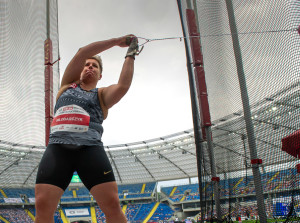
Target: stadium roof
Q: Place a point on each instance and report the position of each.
(174, 156)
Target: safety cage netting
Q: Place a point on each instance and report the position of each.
(24, 28)
(260, 41)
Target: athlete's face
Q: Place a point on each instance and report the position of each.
(91, 70)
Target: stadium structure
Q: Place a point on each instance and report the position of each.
(243, 67)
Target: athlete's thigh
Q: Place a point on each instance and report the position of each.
(56, 167)
(93, 167)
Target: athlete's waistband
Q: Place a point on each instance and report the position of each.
(76, 147)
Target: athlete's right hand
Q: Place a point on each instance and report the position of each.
(133, 48)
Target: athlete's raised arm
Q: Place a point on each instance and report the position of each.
(74, 68)
(113, 94)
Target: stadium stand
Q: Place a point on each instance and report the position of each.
(143, 212)
(137, 212)
(15, 215)
(77, 194)
(150, 187)
(131, 211)
(162, 213)
(99, 215)
(57, 217)
(284, 180)
(279, 183)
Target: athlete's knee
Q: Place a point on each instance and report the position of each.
(43, 203)
(47, 197)
(111, 206)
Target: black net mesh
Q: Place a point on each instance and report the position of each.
(268, 41)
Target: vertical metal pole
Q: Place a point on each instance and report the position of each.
(48, 58)
(48, 18)
(216, 183)
(247, 113)
(204, 110)
(196, 123)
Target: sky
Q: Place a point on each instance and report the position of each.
(158, 101)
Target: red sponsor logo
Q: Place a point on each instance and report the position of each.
(74, 85)
(71, 119)
(68, 108)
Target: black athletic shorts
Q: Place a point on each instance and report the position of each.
(60, 161)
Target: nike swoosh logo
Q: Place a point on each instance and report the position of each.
(107, 172)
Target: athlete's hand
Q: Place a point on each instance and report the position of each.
(125, 41)
(133, 48)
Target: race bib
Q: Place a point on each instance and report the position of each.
(70, 118)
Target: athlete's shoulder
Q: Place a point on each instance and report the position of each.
(63, 88)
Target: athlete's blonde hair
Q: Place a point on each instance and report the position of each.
(99, 60)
